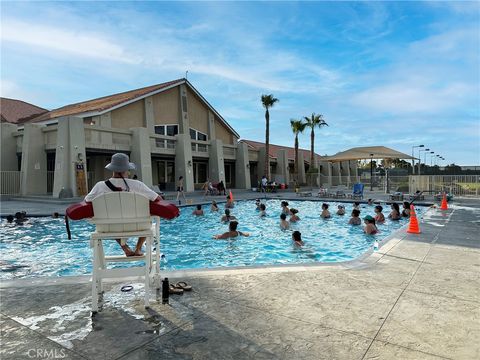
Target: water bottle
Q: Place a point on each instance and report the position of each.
(375, 245)
(165, 291)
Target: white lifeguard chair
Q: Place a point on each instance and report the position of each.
(123, 215)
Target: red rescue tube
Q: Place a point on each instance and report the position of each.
(82, 210)
(160, 208)
(164, 209)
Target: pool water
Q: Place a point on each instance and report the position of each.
(40, 247)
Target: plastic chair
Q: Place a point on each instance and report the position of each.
(357, 192)
(123, 215)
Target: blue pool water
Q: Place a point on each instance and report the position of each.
(40, 247)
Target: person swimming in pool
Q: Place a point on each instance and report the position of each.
(263, 211)
(284, 224)
(297, 239)
(325, 213)
(214, 206)
(229, 204)
(370, 227)
(356, 205)
(257, 204)
(227, 217)
(285, 209)
(341, 210)
(379, 217)
(232, 232)
(355, 219)
(294, 217)
(395, 213)
(198, 211)
(406, 209)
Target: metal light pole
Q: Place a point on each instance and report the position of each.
(413, 156)
(371, 172)
(431, 157)
(420, 160)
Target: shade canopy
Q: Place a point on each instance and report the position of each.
(367, 152)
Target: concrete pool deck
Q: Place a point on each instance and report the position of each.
(418, 297)
(46, 206)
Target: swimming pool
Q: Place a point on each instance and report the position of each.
(40, 247)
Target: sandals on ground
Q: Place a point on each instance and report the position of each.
(183, 285)
(175, 290)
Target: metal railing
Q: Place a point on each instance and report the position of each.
(459, 185)
(200, 146)
(10, 182)
(229, 151)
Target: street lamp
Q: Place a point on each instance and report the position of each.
(419, 160)
(371, 172)
(413, 156)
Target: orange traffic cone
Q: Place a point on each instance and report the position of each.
(413, 227)
(444, 205)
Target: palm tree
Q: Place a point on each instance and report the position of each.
(267, 101)
(297, 127)
(313, 122)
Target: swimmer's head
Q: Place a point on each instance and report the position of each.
(378, 208)
(355, 213)
(369, 220)
(341, 207)
(199, 207)
(10, 218)
(297, 236)
(263, 207)
(227, 212)
(324, 206)
(233, 225)
(294, 211)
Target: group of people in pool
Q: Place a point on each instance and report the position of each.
(370, 222)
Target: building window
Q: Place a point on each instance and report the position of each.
(198, 135)
(169, 130)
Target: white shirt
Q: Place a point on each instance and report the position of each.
(136, 186)
(264, 181)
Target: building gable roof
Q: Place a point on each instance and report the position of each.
(104, 104)
(13, 111)
(274, 149)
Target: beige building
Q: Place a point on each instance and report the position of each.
(169, 130)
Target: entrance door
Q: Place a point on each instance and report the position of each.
(200, 171)
(166, 174)
(229, 175)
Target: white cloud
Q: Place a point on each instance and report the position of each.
(78, 42)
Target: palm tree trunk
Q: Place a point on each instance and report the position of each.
(267, 145)
(312, 148)
(296, 156)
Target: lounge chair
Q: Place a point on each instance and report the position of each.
(396, 196)
(338, 192)
(322, 192)
(357, 192)
(123, 215)
(304, 193)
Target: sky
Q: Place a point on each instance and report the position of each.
(396, 74)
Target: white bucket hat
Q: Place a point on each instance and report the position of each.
(120, 163)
